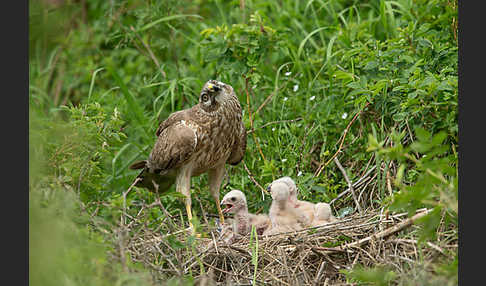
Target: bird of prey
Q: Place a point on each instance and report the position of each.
(283, 216)
(235, 203)
(197, 140)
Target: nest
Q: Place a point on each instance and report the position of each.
(314, 256)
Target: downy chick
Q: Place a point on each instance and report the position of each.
(323, 214)
(283, 215)
(235, 203)
(305, 207)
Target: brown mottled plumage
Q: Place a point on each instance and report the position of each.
(198, 140)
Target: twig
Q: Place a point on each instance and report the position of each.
(350, 184)
(430, 244)
(152, 56)
(354, 185)
(319, 273)
(399, 226)
(253, 179)
(319, 170)
(125, 198)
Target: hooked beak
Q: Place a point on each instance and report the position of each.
(228, 206)
(213, 87)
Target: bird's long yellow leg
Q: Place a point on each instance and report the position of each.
(189, 218)
(189, 215)
(220, 212)
(183, 185)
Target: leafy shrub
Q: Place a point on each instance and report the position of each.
(111, 71)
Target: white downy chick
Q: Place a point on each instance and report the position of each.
(305, 207)
(235, 203)
(283, 215)
(323, 214)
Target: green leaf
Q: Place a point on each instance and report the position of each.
(165, 19)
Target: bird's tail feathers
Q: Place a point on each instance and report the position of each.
(138, 165)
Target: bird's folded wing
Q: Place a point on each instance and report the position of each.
(171, 120)
(174, 146)
(238, 151)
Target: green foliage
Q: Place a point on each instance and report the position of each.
(434, 180)
(239, 50)
(79, 153)
(379, 276)
(104, 74)
(253, 245)
(64, 251)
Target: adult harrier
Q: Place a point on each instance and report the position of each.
(198, 140)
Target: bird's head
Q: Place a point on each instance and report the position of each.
(234, 201)
(292, 187)
(279, 191)
(322, 211)
(214, 93)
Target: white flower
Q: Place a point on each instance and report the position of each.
(288, 73)
(312, 98)
(299, 174)
(344, 116)
(286, 98)
(273, 129)
(284, 160)
(254, 87)
(296, 87)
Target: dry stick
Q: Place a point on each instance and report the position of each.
(161, 206)
(413, 241)
(319, 170)
(286, 267)
(354, 185)
(319, 273)
(350, 184)
(253, 179)
(251, 118)
(399, 226)
(203, 212)
(125, 199)
(152, 56)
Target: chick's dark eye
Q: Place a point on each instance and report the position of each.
(233, 199)
(204, 97)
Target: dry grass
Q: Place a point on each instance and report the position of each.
(313, 256)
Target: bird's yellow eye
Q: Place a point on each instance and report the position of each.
(204, 97)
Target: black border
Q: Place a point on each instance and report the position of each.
(15, 139)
